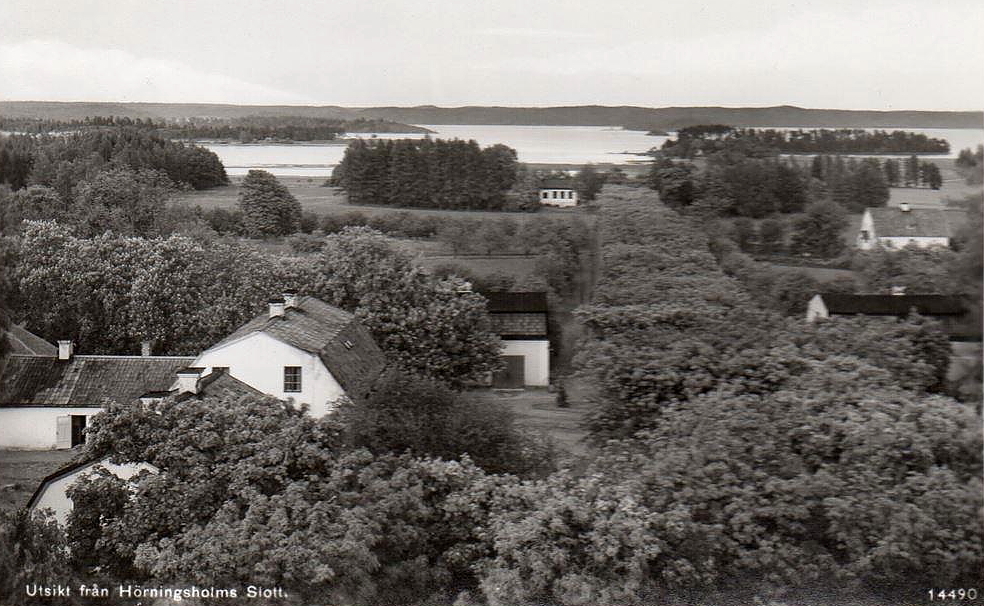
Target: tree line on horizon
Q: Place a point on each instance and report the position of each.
(706, 139)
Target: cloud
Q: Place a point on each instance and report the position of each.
(56, 71)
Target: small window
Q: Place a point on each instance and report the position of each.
(292, 378)
(864, 235)
(555, 194)
(546, 194)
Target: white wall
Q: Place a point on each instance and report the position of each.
(550, 200)
(35, 428)
(867, 225)
(921, 242)
(536, 363)
(258, 360)
(55, 498)
(816, 309)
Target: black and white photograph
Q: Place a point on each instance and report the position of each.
(491, 303)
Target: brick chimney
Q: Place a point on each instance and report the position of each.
(188, 379)
(904, 207)
(898, 290)
(65, 350)
(290, 299)
(277, 306)
(145, 348)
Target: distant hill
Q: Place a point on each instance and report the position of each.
(637, 118)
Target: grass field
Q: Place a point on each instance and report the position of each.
(316, 198)
(22, 470)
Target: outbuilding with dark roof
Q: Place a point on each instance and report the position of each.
(520, 320)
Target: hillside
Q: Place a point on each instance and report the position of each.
(638, 118)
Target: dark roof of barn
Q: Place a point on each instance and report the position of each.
(26, 343)
(516, 302)
(344, 345)
(557, 184)
(895, 305)
(84, 381)
(891, 222)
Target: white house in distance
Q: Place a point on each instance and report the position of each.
(897, 227)
(558, 192)
(52, 493)
(520, 320)
(302, 349)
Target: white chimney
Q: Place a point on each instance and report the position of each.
(188, 379)
(290, 299)
(65, 350)
(898, 290)
(145, 349)
(276, 308)
(904, 207)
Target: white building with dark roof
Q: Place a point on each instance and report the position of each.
(302, 349)
(46, 401)
(520, 320)
(901, 226)
(558, 192)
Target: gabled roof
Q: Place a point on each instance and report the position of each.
(895, 305)
(516, 302)
(344, 345)
(84, 381)
(557, 184)
(217, 383)
(26, 343)
(70, 469)
(914, 223)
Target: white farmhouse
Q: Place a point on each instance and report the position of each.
(558, 192)
(52, 493)
(302, 349)
(47, 400)
(520, 320)
(897, 227)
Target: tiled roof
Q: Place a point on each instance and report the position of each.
(217, 383)
(344, 345)
(519, 324)
(26, 343)
(557, 184)
(516, 302)
(894, 305)
(84, 381)
(917, 222)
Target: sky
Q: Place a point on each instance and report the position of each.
(858, 54)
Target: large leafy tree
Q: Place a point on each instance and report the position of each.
(268, 208)
(433, 326)
(819, 231)
(122, 200)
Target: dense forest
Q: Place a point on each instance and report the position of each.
(62, 160)
(706, 139)
(454, 174)
(246, 129)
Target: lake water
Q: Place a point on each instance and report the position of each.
(533, 144)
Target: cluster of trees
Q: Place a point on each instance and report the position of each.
(61, 161)
(739, 437)
(711, 138)
(737, 451)
(110, 292)
(457, 175)
(267, 207)
(733, 183)
(912, 173)
(970, 164)
(246, 129)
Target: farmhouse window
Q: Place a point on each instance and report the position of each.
(292, 378)
(546, 194)
(864, 235)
